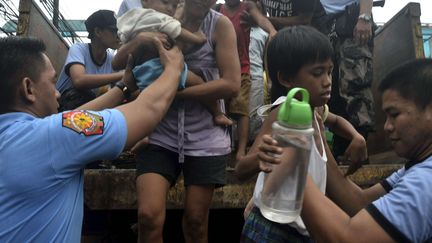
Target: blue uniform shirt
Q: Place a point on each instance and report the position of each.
(41, 170)
(405, 212)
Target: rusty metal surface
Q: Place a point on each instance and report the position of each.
(115, 188)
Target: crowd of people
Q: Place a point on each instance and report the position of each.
(178, 79)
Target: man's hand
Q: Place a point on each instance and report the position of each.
(356, 154)
(128, 78)
(172, 58)
(362, 32)
(246, 20)
(147, 38)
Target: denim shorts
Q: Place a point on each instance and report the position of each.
(197, 170)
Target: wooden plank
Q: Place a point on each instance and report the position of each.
(107, 189)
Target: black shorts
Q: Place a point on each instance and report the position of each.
(197, 170)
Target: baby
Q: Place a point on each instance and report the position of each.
(156, 16)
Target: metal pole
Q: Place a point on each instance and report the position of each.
(56, 14)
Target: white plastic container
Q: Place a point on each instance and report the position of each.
(279, 194)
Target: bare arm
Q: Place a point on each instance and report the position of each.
(260, 19)
(192, 38)
(248, 166)
(345, 193)
(341, 126)
(82, 80)
(356, 153)
(112, 98)
(228, 85)
(328, 223)
(115, 96)
(193, 79)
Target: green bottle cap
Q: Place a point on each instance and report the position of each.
(295, 112)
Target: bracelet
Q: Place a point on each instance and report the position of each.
(365, 17)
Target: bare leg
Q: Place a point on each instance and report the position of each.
(243, 132)
(152, 190)
(196, 213)
(219, 117)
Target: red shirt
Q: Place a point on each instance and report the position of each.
(243, 36)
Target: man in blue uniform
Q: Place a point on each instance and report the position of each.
(42, 153)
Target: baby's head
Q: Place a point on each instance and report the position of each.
(300, 56)
(167, 7)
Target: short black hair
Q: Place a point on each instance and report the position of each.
(20, 57)
(100, 19)
(412, 80)
(292, 48)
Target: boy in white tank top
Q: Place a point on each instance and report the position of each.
(307, 54)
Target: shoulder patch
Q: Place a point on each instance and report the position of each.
(83, 122)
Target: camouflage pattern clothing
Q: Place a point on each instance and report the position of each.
(352, 80)
(352, 75)
(351, 95)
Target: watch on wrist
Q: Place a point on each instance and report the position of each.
(365, 17)
(122, 86)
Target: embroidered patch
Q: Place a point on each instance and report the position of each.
(83, 122)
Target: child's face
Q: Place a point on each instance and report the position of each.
(167, 7)
(315, 78)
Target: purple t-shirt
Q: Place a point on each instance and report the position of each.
(198, 136)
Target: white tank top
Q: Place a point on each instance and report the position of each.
(318, 171)
(317, 166)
